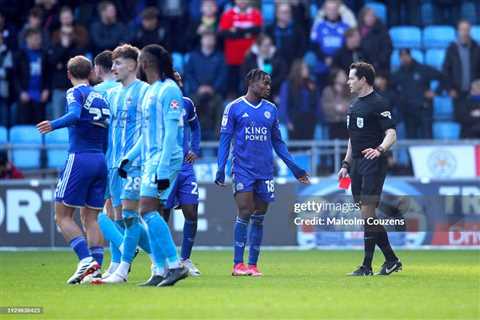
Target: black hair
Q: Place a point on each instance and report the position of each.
(364, 70)
(254, 75)
(104, 60)
(163, 60)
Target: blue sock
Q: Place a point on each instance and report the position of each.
(97, 254)
(110, 229)
(240, 238)
(120, 225)
(255, 237)
(79, 245)
(143, 242)
(189, 232)
(161, 241)
(132, 234)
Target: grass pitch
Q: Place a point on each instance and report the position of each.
(297, 284)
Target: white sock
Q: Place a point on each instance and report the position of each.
(113, 266)
(122, 269)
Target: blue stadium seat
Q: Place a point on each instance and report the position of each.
(438, 37)
(435, 57)
(25, 157)
(379, 9)
(57, 146)
(313, 11)
(268, 11)
(178, 61)
(320, 133)
(446, 130)
(3, 135)
(442, 108)
(406, 37)
(475, 33)
(395, 58)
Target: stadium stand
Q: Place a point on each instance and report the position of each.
(406, 37)
(56, 145)
(26, 142)
(437, 37)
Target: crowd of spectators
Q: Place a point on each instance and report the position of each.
(306, 54)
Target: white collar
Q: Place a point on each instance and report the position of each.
(251, 105)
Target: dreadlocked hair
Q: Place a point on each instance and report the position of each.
(254, 75)
(162, 60)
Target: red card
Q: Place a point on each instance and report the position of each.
(344, 183)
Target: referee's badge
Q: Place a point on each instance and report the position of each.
(360, 122)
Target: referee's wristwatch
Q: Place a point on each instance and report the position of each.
(380, 149)
(346, 165)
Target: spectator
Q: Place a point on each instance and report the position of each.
(31, 76)
(68, 41)
(412, 87)
(263, 56)
(151, 31)
(287, 36)
(327, 38)
(107, 33)
(346, 15)
(298, 102)
(239, 27)
(350, 52)
(205, 80)
(35, 21)
(8, 33)
(468, 113)
(7, 169)
(404, 12)
(208, 21)
(50, 13)
(335, 101)
(462, 62)
(174, 16)
(6, 66)
(382, 86)
(376, 44)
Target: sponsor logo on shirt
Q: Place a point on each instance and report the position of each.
(245, 115)
(386, 114)
(254, 133)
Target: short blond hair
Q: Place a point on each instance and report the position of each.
(79, 67)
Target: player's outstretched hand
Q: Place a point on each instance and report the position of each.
(370, 153)
(44, 127)
(305, 179)
(191, 157)
(121, 169)
(342, 173)
(220, 179)
(162, 184)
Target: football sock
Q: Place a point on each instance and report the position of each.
(369, 245)
(189, 232)
(97, 254)
(381, 236)
(79, 245)
(143, 242)
(132, 235)
(255, 237)
(161, 241)
(240, 238)
(110, 230)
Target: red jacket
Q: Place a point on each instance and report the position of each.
(247, 25)
(11, 172)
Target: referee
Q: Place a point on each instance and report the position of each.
(372, 132)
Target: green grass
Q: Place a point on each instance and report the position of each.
(297, 284)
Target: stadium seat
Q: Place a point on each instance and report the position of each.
(313, 11)
(268, 11)
(320, 133)
(379, 9)
(438, 37)
(446, 130)
(475, 33)
(406, 37)
(3, 135)
(57, 146)
(435, 57)
(178, 61)
(23, 156)
(442, 108)
(395, 58)
(283, 131)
